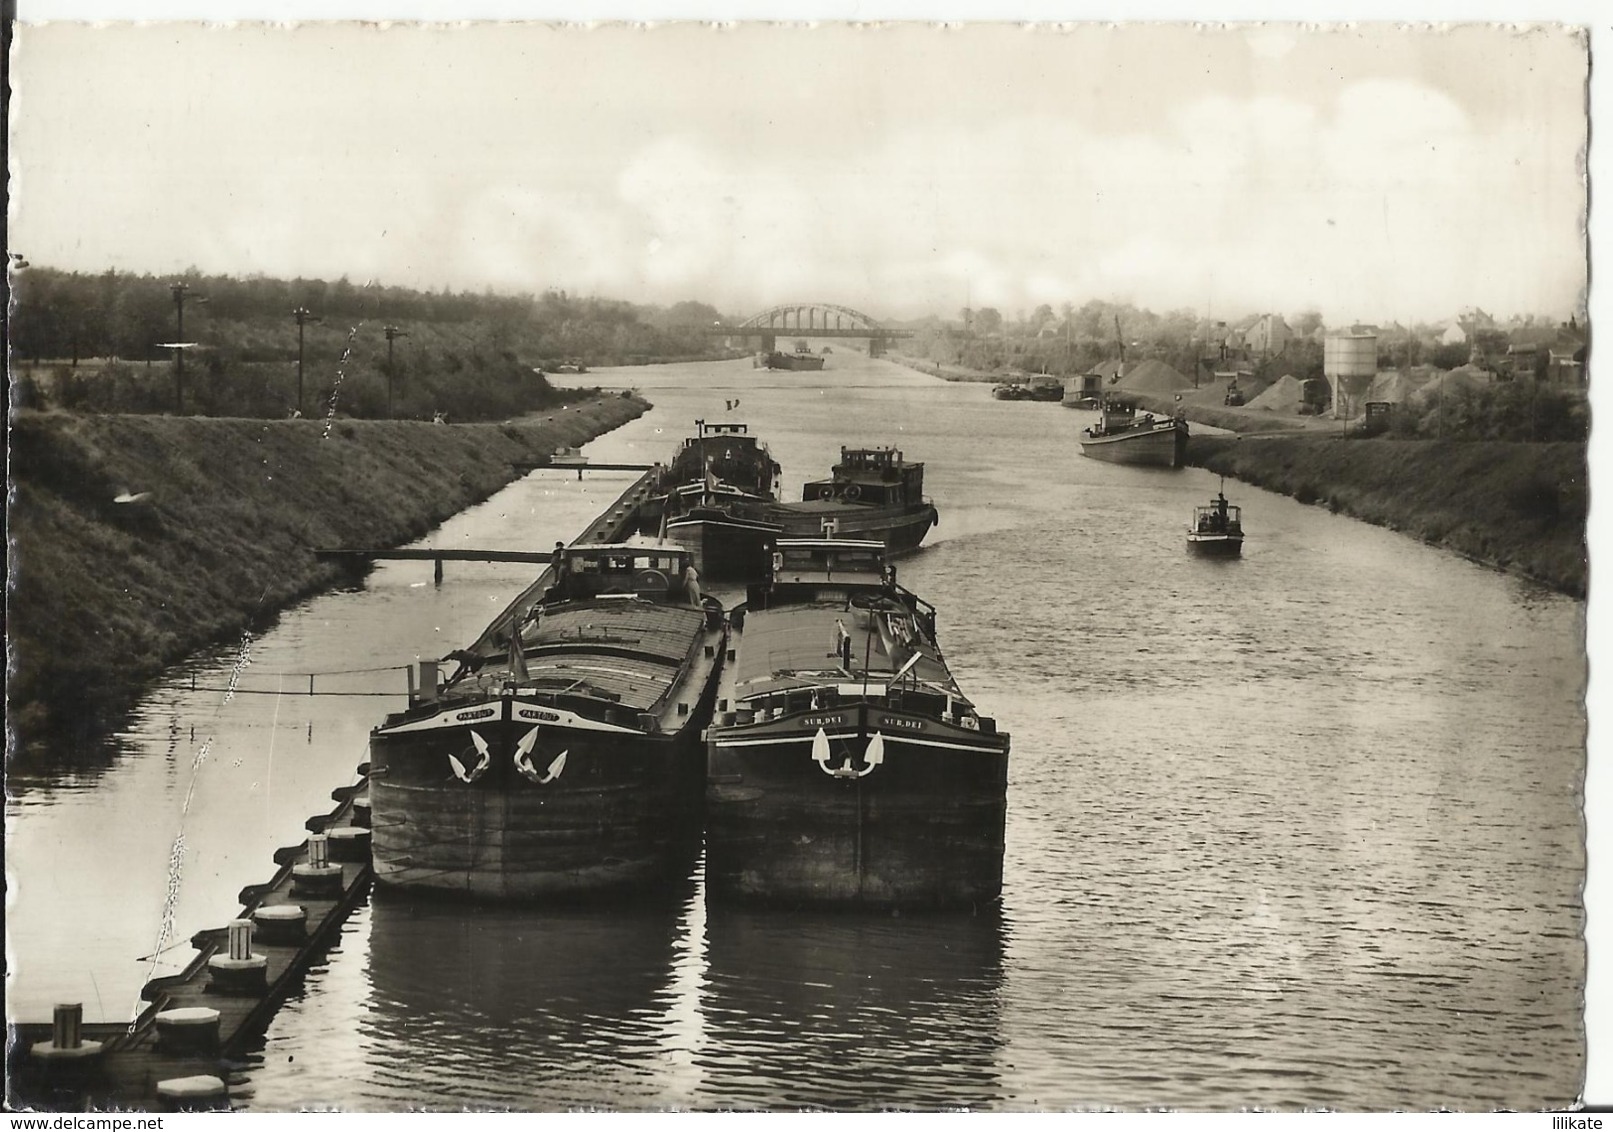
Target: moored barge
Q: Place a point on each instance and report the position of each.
(564, 757)
(871, 494)
(1121, 437)
(777, 359)
(845, 766)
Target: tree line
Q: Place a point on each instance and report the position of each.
(102, 342)
(1073, 339)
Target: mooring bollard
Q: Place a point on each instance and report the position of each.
(317, 876)
(281, 923)
(67, 1025)
(428, 681)
(201, 1093)
(239, 971)
(349, 843)
(67, 1046)
(188, 1029)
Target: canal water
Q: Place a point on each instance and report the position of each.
(1298, 830)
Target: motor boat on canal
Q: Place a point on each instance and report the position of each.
(1217, 529)
(845, 766)
(564, 757)
(1121, 437)
(871, 494)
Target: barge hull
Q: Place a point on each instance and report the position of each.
(900, 530)
(736, 549)
(1159, 448)
(1215, 546)
(618, 812)
(725, 548)
(922, 829)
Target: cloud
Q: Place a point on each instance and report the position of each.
(1386, 200)
(1283, 185)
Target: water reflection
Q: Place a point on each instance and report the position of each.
(521, 1007)
(852, 1011)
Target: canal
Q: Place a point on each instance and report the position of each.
(1297, 830)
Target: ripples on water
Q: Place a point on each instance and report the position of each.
(1300, 830)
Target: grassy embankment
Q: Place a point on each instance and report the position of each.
(945, 371)
(105, 595)
(1517, 506)
(1520, 507)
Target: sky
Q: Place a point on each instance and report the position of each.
(1374, 173)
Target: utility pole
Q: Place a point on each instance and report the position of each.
(302, 315)
(180, 289)
(391, 332)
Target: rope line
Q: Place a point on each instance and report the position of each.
(281, 692)
(339, 671)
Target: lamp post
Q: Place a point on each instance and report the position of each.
(391, 333)
(180, 290)
(302, 315)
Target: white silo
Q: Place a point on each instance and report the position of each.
(1350, 362)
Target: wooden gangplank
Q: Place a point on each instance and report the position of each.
(555, 466)
(428, 554)
(616, 522)
(550, 465)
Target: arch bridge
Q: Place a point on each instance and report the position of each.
(814, 320)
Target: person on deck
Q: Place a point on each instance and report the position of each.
(691, 584)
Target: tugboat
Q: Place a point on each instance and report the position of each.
(872, 494)
(1217, 529)
(1121, 437)
(564, 757)
(845, 767)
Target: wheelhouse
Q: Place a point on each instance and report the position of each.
(871, 475)
(1118, 412)
(1218, 518)
(588, 571)
(724, 453)
(846, 561)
